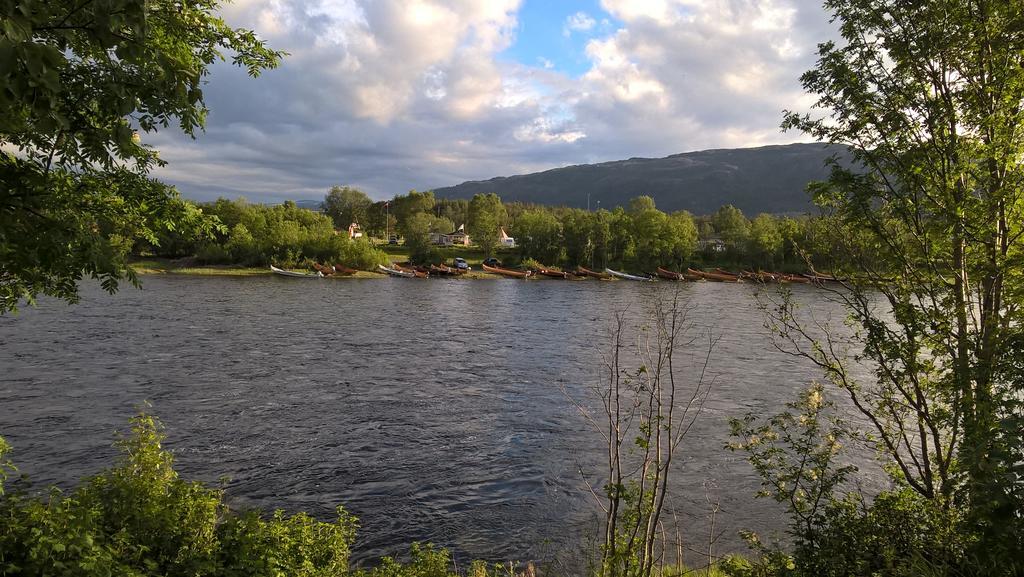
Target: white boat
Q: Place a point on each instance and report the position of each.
(396, 272)
(283, 272)
(623, 275)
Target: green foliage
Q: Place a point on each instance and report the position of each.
(284, 235)
(79, 82)
(455, 210)
(835, 532)
(140, 519)
(928, 96)
(6, 467)
(795, 453)
(766, 240)
(578, 236)
(405, 207)
(418, 230)
(732, 227)
(346, 205)
(531, 264)
(538, 235)
(486, 216)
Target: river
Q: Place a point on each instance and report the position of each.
(434, 410)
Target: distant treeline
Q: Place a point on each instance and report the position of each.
(637, 237)
(258, 235)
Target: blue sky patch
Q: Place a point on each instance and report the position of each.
(544, 39)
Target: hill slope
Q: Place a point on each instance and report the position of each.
(766, 179)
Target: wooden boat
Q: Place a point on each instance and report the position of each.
(445, 270)
(396, 272)
(820, 278)
(759, 276)
(418, 272)
(583, 272)
(344, 270)
(289, 273)
(735, 275)
(326, 270)
(508, 272)
(673, 275)
(713, 276)
(625, 276)
(794, 278)
(553, 273)
(441, 270)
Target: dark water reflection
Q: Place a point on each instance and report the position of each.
(433, 410)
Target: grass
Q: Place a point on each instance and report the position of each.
(170, 266)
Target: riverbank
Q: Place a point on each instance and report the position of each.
(159, 266)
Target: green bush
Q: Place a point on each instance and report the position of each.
(212, 253)
(140, 519)
(530, 264)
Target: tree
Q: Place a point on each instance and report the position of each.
(539, 235)
(929, 96)
(684, 234)
(81, 81)
(346, 205)
(455, 210)
(765, 240)
(640, 204)
(652, 390)
(486, 215)
(404, 207)
(578, 236)
(418, 229)
(601, 233)
(732, 226)
(380, 220)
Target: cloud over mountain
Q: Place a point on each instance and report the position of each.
(390, 95)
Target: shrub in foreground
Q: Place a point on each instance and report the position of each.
(140, 519)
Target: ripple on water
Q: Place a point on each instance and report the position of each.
(435, 411)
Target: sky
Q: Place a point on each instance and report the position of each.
(393, 95)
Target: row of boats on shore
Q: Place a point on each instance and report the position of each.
(579, 273)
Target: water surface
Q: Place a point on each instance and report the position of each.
(434, 410)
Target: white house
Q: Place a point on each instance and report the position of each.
(454, 238)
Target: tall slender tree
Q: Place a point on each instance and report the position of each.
(929, 96)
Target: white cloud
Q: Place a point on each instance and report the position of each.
(400, 94)
(578, 22)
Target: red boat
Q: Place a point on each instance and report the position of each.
(508, 272)
(444, 270)
(794, 278)
(759, 276)
(580, 271)
(324, 270)
(415, 271)
(673, 275)
(552, 273)
(714, 276)
(344, 270)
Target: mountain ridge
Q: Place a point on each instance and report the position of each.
(763, 179)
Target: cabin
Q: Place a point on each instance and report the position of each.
(712, 244)
(454, 238)
(504, 240)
